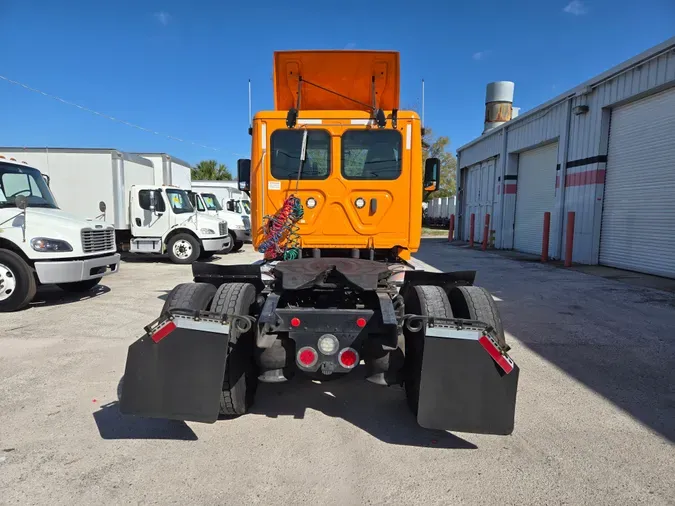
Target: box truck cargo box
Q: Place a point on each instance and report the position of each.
(170, 170)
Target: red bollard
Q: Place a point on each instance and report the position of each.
(451, 230)
(486, 231)
(544, 240)
(569, 242)
(472, 225)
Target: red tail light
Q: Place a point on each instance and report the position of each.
(348, 358)
(295, 322)
(307, 356)
(361, 322)
(163, 331)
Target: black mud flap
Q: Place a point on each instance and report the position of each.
(176, 370)
(468, 383)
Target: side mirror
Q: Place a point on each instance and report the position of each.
(102, 207)
(432, 168)
(46, 178)
(244, 173)
(230, 205)
(21, 202)
(153, 201)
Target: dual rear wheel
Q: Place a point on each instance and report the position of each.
(466, 302)
(241, 375)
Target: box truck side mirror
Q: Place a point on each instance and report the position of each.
(153, 201)
(21, 202)
(230, 205)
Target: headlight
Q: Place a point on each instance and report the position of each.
(360, 203)
(45, 245)
(207, 231)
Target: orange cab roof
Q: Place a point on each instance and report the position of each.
(346, 72)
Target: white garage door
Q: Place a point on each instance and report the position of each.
(638, 217)
(535, 195)
(480, 197)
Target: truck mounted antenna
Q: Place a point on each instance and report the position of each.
(422, 106)
(250, 119)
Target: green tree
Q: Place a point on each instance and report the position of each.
(437, 148)
(211, 170)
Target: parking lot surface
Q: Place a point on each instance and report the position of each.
(595, 419)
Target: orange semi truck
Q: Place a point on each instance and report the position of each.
(336, 179)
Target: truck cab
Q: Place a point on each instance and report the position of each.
(239, 226)
(165, 221)
(40, 244)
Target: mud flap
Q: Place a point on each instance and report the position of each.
(468, 384)
(176, 370)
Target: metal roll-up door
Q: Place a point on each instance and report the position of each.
(535, 195)
(638, 216)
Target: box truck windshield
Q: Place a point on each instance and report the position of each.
(18, 181)
(179, 200)
(211, 202)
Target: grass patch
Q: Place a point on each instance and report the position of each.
(434, 232)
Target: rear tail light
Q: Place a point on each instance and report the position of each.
(163, 331)
(361, 322)
(348, 358)
(307, 356)
(295, 322)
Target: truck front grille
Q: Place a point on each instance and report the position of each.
(94, 241)
(222, 228)
(247, 222)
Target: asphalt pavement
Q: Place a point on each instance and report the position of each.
(595, 420)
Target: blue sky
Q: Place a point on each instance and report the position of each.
(182, 68)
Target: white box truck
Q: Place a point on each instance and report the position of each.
(148, 218)
(223, 196)
(41, 244)
(172, 171)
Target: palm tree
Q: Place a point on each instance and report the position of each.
(211, 170)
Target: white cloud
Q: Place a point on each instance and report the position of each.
(480, 55)
(576, 8)
(162, 17)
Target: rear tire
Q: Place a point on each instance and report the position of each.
(241, 372)
(476, 303)
(195, 296)
(183, 249)
(17, 282)
(79, 286)
(423, 300)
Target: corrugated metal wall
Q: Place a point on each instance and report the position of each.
(580, 180)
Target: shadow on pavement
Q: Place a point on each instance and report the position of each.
(612, 337)
(114, 425)
(54, 296)
(380, 411)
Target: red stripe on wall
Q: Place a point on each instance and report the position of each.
(510, 188)
(585, 178)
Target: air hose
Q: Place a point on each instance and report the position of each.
(281, 238)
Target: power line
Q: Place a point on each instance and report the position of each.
(112, 118)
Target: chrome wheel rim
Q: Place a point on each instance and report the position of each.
(7, 282)
(182, 249)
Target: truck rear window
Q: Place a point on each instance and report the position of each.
(371, 154)
(285, 157)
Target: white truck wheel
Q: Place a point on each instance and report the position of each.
(17, 282)
(183, 249)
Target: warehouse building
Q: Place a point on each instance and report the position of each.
(604, 150)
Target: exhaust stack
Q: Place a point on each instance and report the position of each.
(498, 104)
